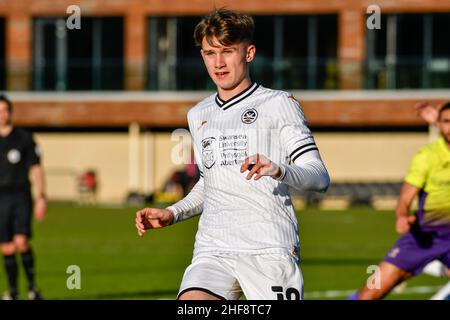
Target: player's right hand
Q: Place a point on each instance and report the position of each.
(404, 223)
(152, 218)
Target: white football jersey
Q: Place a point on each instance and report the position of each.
(240, 215)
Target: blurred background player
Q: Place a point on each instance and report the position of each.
(87, 188)
(18, 156)
(426, 234)
(247, 240)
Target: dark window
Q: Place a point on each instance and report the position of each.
(174, 63)
(375, 65)
(90, 58)
(439, 66)
(410, 51)
(296, 52)
(292, 52)
(327, 64)
(262, 69)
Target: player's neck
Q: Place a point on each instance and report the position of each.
(227, 94)
(5, 130)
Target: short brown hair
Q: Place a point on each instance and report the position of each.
(229, 27)
(4, 98)
(443, 108)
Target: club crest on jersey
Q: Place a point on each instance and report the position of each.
(249, 116)
(208, 152)
(14, 156)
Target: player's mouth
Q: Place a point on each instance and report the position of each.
(221, 75)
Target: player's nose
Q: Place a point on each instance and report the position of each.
(220, 61)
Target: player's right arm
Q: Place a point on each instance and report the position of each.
(188, 207)
(404, 220)
(414, 182)
(191, 205)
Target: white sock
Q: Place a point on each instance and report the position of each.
(442, 293)
(436, 269)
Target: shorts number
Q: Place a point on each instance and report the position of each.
(291, 293)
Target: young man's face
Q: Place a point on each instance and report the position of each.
(5, 115)
(227, 66)
(444, 125)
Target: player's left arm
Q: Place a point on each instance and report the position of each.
(40, 206)
(306, 171)
(33, 154)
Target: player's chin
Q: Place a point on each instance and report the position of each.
(224, 83)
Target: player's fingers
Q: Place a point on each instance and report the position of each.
(411, 219)
(263, 171)
(140, 230)
(139, 225)
(141, 214)
(254, 170)
(420, 105)
(147, 213)
(249, 162)
(154, 214)
(245, 165)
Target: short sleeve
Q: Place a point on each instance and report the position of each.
(418, 169)
(33, 152)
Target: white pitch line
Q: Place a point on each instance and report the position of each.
(346, 293)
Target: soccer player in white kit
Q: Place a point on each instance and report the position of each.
(251, 143)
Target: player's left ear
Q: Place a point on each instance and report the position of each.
(251, 50)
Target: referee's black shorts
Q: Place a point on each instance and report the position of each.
(15, 215)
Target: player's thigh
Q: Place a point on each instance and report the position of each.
(212, 276)
(391, 274)
(198, 295)
(415, 249)
(383, 281)
(270, 277)
(6, 219)
(23, 216)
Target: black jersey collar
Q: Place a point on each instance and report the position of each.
(224, 105)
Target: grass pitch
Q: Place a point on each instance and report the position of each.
(337, 247)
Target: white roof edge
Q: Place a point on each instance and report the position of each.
(176, 96)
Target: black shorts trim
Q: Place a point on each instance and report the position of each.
(200, 289)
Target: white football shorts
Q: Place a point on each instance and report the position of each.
(258, 277)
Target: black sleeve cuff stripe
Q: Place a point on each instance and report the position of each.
(303, 152)
(200, 289)
(301, 147)
(201, 173)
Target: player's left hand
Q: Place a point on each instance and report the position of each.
(40, 208)
(404, 223)
(260, 166)
(427, 112)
